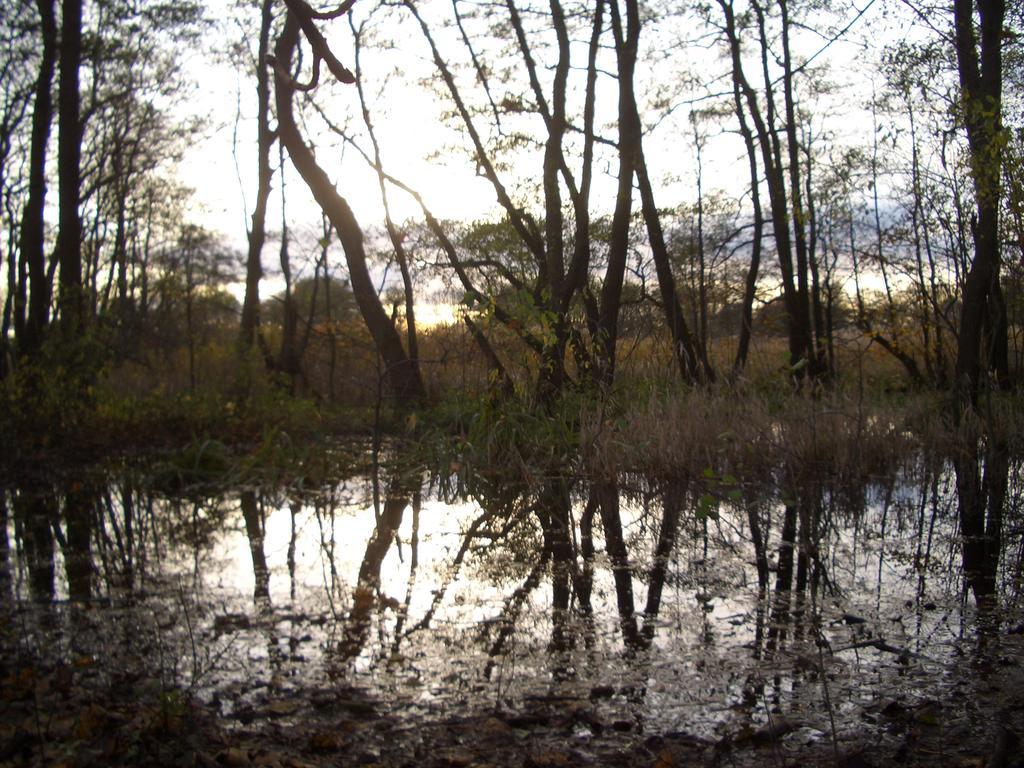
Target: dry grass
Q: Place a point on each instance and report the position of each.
(727, 431)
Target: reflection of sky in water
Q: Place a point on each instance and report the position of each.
(700, 673)
(350, 527)
(701, 662)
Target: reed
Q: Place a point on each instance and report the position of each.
(680, 435)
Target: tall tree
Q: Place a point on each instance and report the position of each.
(401, 372)
(979, 55)
(69, 172)
(264, 140)
(981, 481)
(33, 225)
(692, 362)
(132, 73)
(785, 204)
(750, 285)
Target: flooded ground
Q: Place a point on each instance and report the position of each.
(281, 627)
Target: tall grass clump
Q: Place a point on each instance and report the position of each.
(683, 434)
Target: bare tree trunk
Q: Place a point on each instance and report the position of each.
(981, 88)
(289, 355)
(257, 234)
(702, 276)
(799, 215)
(402, 373)
(396, 237)
(821, 332)
(750, 288)
(69, 160)
(29, 334)
(692, 366)
(889, 343)
(618, 244)
(801, 350)
(190, 326)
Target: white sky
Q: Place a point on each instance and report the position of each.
(413, 137)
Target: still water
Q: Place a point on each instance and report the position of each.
(366, 600)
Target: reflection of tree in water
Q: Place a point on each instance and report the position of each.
(982, 467)
(785, 583)
(414, 563)
(5, 554)
(46, 517)
(809, 535)
(293, 509)
(255, 531)
(516, 538)
(35, 510)
(366, 595)
(81, 502)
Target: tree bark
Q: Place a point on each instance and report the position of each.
(289, 356)
(394, 234)
(626, 41)
(803, 320)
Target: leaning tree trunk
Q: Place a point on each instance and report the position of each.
(750, 286)
(402, 373)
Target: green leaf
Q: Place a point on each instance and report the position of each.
(707, 506)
